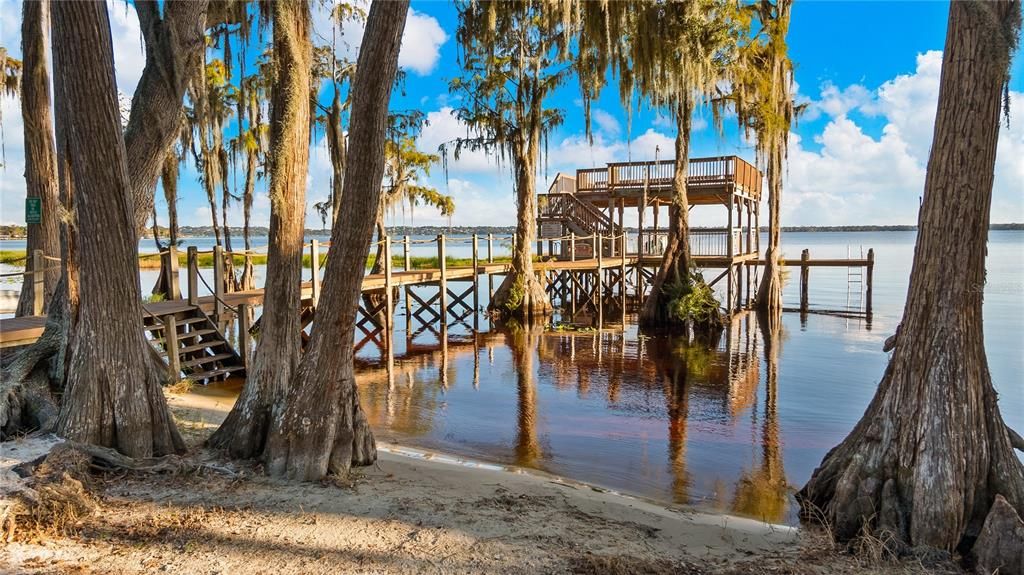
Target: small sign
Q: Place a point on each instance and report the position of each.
(33, 210)
(550, 229)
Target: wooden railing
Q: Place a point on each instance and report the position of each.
(563, 184)
(568, 207)
(715, 242)
(720, 170)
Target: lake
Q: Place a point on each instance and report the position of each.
(723, 428)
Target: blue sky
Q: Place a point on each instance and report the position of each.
(869, 71)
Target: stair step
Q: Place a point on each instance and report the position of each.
(207, 359)
(201, 346)
(215, 372)
(186, 321)
(187, 335)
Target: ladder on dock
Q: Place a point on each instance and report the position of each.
(198, 349)
(855, 277)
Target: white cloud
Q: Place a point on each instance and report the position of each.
(442, 127)
(851, 177)
(606, 123)
(421, 41)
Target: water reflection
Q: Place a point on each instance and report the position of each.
(685, 421)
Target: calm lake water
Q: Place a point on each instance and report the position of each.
(727, 428)
(723, 428)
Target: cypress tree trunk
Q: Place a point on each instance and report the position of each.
(169, 176)
(336, 146)
(930, 454)
(248, 282)
(113, 397)
(244, 432)
(174, 46)
(319, 428)
(40, 157)
(675, 262)
(521, 294)
(769, 291)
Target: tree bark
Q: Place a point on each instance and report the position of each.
(337, 148)
(174, 45)
(521, 293)
(245, 430)
(931, 453)
(247, 281)
(675, 262)
(769, 292)
(40, 156)
(320, 429)
(113, 396)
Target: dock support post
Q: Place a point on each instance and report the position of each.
(389, 305)
(572, 246)
(870, 278)
(490, 248)
(171, 345)
(476, 279)
(193, 275)
(406, 258)
(443, 283)
(243, 333)
(600, 283)
(38, 281)
(732, 265)
(173, 284)
(805, 256)
(218, 284)
(314, 266)
(622, 268)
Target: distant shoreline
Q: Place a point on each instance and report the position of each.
(17, 232)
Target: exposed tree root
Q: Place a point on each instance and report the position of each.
(522, 296)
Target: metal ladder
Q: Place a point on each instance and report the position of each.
(854, 277)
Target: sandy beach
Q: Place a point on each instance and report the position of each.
(413, 512)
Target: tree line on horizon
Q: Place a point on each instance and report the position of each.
(930, 464)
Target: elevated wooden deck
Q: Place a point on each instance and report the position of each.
(710, 181)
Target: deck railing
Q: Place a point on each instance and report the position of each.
(719, 170)
(567, 207)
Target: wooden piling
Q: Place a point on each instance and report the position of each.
(38, 282)
(870, 280)
(805, 277)
(192, 262)
(171, 345)
(599, 287)
(173, 284)
(314, 266)
(406, 258)
(476, 278)
(443, 283)
(389, 302)
(218, 283)
(243, 332)
(490, 248)
(572, 246)
(622, 267)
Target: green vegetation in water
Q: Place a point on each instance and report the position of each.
(570, 327)
(693, 301)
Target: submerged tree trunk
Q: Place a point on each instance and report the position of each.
(521, 294)
(769, 292)
(675, 262)
(931, 453)
(113, 397)
(245, 430)
(40, 156)
(320, 429)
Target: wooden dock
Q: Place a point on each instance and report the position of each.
(195, 327)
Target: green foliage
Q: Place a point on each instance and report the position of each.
(516, 294)
(692, 301)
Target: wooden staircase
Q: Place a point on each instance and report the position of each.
(203, 354)
(579, 217)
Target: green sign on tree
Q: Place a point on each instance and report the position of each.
(33, 210)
